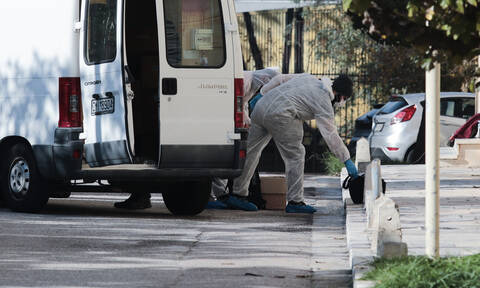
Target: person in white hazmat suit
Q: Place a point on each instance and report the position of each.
(253, 81)
(287, 101)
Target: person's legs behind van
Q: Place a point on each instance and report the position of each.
(139, 198)
(219, 193)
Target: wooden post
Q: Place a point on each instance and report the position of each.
(432, 161)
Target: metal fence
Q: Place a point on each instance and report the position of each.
(272, 37)
(270, 32)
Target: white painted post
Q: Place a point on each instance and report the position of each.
(477, 89)
(362, 156)
(373, 184)
(432, 155)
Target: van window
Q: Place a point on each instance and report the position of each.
(194, 33)
(101, 31)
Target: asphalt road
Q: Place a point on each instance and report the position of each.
(84, 242)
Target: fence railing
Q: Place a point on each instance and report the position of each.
(271, 38)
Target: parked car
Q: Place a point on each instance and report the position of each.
(363, 128)
(470, 129)
(397, 126)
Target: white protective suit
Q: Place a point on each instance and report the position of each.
(287, 101)
(253, 81)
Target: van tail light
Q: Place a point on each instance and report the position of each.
(404, 115)
(70, 102)
(238, 109)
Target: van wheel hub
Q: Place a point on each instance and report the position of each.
(19, 178)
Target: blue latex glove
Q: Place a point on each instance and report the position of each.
(352, 170)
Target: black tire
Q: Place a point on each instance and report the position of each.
(187, 198)
(414, 156)
(21, 185)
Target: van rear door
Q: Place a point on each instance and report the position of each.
(196, 84)
(102, 81)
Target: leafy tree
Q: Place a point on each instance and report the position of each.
(390, 68)
(449, 26)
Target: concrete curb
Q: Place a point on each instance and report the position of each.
(358, 244)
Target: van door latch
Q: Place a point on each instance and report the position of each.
(169, 86)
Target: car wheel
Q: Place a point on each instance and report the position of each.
(187, 198)
(21, 185)
(412, 156)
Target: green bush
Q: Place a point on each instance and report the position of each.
(421, 271)
(333, 166)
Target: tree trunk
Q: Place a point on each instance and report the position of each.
(287, 46)
(299, 23)
(257, 55)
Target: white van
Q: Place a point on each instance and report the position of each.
(134, 92)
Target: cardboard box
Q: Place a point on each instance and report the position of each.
(274, 191)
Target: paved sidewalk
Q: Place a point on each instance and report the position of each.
(330, 266)
(459, 212)
(85, 242)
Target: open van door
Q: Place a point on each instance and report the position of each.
(197, 89)
(102, 74)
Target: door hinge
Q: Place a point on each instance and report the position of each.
(130, 93)
(77, 26)
(231, 28)
(234, 136)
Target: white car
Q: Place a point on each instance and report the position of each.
(396, 126)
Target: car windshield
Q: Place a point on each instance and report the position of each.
(394, 104)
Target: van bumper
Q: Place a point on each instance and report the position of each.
(186, 163)
(203, 156)
(62, 160)
(122, 173)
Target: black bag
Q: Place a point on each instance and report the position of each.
(356, 187)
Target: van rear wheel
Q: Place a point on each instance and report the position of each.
(187, 198)
(22, 188)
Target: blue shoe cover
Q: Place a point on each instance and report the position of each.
(240, 204)
(292, 208)
(216, 205)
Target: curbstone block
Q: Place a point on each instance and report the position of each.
(387, 231)
(362, 156)
(372, 188)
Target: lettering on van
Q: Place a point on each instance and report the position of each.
(96, 82)
(222, 88)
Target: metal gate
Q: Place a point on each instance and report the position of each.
(277, 38)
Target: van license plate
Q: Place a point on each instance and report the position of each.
(103, 106)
